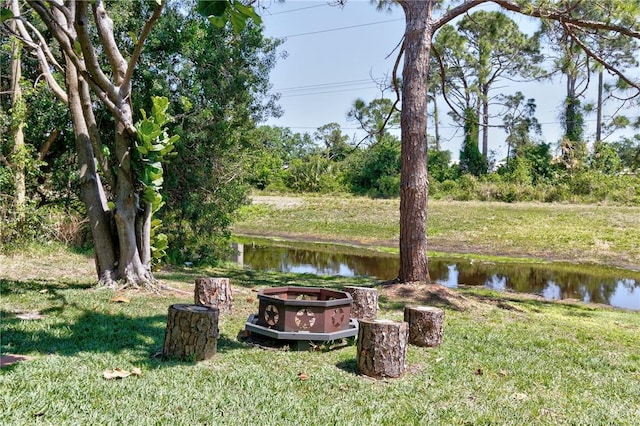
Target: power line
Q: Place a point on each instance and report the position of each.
(328, 91)
(298, 9)
(324, 85)
(340, 28)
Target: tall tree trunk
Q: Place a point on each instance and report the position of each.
(414, 186)
(131, 268)
(16, 102)
(436, 118)
(91, 188)
(485, 121)
(599, 107)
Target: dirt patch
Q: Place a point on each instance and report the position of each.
(428, 294)
(10, 359)
(277, 202)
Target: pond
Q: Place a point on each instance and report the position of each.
(615, 287)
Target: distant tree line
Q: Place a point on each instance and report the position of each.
(472, 62)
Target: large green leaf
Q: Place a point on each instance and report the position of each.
(238, 21)
(209, 8)
(248, 12)
(217, 21)
(159, 110)
(5, 14)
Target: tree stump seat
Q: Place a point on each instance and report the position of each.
(215, 293)
(192, 331)
(425, 325)
(382, 348)
(365, 302)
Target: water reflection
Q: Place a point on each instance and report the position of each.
(549, 281)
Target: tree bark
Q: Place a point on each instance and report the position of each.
(214, 293)
(599, 106)
(425, 325)
(485, 122)
(365, 302)
(192, 331)
(91, 189)
(16, 103)
(382, 348)
(414, 186)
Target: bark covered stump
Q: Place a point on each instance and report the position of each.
(425, 325)
(365, 302)
(215, 293)
(192, 331)
(382, 348)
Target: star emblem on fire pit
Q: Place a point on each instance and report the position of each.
(271, 315)
(305, 319)
(337, 317)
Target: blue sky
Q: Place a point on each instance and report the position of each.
(333, 56)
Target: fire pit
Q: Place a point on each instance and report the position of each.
(303, 313)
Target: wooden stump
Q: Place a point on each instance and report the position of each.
(215, 293)
(192, 331)
(365, 302)
(382, 348)
(425, 325)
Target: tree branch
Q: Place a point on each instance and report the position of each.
(138, 49)
(590, 53)
(94, 133)
(42, 52)
(454, 12)
(104, 24)
(435, 52)
(563, 16)
(396, 89)
(92, 65)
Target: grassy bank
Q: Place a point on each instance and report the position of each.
(609, 235)
(505, 359)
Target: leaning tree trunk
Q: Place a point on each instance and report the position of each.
(414, 186)
(16, 101)
(91, 188)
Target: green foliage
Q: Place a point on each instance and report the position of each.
(153, 146)
(335, 143)
(314, 173)
(267, 172)
(20, 227)
(471, 160)
(5, 14)
(372, 116)
(375, 171)
(217, 84)
(219, 12)
(439, 166)
(628, 150)
(573, 120)
(605, 159)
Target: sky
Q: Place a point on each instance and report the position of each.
(334, 55)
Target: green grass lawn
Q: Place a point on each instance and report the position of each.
(507, 359)
(608, 235)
